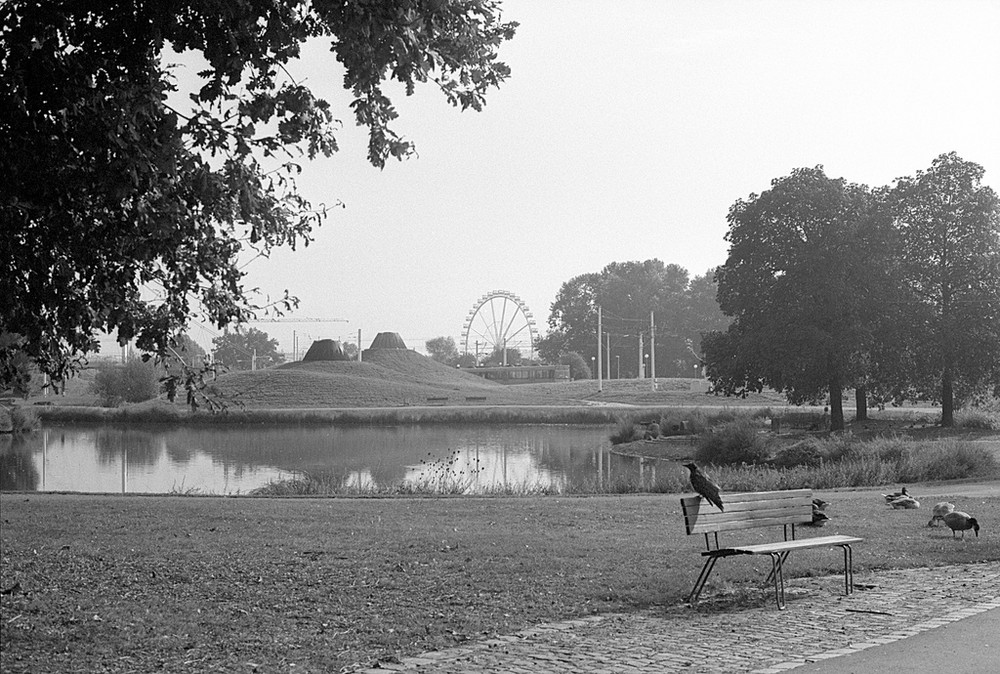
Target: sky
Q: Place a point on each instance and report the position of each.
(626, 131)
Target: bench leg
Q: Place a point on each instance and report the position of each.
(779, 578)
(770, 576)
(848, 569)
(699, 584)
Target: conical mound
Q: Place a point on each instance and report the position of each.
(388, 340)
(324, 349)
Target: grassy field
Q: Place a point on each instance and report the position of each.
(402, 378)
(126, 584)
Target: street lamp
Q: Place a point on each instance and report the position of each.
(645, 365)
(618, 367)
(593, 374)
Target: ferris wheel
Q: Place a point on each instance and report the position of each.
(499, 321)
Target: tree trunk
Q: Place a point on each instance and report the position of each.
(947, 398)
(861, 404)
(836, 405)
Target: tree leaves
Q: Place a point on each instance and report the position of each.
(112, 196)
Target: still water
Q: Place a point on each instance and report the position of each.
(160, 459)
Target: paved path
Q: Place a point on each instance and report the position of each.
(820, 625)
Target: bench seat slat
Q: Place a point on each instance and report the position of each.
(704, 508)
(736, 524)
(798, 544)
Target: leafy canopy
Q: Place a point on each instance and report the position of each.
(125, 215)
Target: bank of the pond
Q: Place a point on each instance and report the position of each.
(506, 414)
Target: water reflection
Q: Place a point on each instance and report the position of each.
(17, 469)
(237, 460)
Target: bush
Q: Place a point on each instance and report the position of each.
(735, 442)
(978, 418)
(626, 431)
(808, 452)
(133, 382)
(578, 368)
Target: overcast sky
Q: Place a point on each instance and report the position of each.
(626, 131)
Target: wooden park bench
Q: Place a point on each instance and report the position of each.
(760, 509)
(438, 400)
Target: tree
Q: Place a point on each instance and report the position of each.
(628, 292)
(572, 319)
(245, 350)
(133, 382)
(513, 357)
(443, 350)
(798, 284)
(578, 368)
(110, 194)
(948, 227)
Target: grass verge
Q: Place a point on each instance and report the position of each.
(116, 584)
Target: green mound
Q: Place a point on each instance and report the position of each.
(389, 378)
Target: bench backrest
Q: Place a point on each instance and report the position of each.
(745, 511)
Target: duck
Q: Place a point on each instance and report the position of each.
(939, 511)
(959, 521)
(889, 498)
(819, 519)
(905, 503)
(819, 504)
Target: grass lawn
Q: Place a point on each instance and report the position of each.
(110, 583)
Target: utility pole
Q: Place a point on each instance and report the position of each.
(359, 345)
(642, 366)
(652, 349)
(600, 368)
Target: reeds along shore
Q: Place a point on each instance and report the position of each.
(359, 416)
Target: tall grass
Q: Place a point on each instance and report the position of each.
(175, 414)
(846, 462)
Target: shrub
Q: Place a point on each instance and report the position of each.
(578, 368)
(737, 441)
(133, 382)
(808, 452)
(978, 418)
(626, 431)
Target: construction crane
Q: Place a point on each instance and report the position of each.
(300, 320)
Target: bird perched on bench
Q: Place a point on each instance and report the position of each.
(939, 511)
(704, 486)
(889, 498)
(959, 521)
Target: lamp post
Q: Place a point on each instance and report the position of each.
(645, 365)
(618, 367)
(593, 373)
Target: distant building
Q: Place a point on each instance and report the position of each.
(522, 374)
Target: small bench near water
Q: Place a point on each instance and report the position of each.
(760, 509)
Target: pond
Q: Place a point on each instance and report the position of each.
(228, 461)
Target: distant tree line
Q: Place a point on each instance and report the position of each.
(893, 292)
(629, 295)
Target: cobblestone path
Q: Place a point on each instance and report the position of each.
(819, 623)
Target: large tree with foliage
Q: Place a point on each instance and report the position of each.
(799, 285)
(123, 214)
(246, 349)
(948, 228)
(628, 292)
(442, 349)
